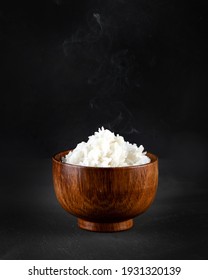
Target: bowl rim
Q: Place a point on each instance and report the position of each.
(155, 160)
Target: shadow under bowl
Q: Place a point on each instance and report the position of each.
(105, 199)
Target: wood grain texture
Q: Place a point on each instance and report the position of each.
(105, 227)
(104, 197)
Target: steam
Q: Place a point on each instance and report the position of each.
(84, 38)
(116, 116)
(114, 69)
(97, 17)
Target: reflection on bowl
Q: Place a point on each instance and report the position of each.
(105, 198)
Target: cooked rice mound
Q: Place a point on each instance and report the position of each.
(105, 149)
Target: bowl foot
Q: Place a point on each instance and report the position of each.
(105, 227)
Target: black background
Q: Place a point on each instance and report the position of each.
(138, 68)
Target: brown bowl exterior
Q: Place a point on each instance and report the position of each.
(105, 194)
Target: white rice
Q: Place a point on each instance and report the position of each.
(105, 149)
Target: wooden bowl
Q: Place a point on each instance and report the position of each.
(105, 198)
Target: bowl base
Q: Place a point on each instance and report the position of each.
(105, 227)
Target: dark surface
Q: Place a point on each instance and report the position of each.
(138, 68)
(34, 226)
